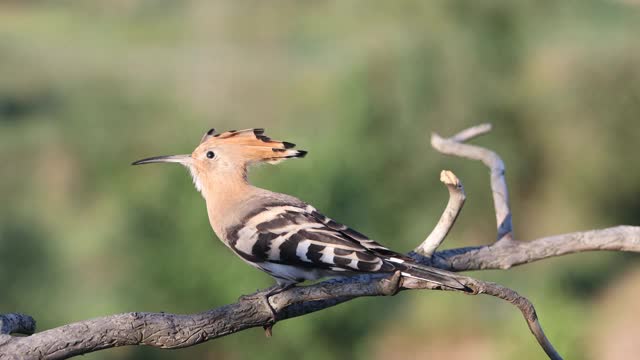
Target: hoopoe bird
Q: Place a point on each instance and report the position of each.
(278, 233)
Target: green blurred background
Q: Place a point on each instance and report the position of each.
(88, 87)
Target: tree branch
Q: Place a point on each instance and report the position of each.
(176, 331)
(449, 216)
(171, 331)
(505, 255)
(454, 146)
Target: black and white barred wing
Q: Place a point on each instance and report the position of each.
(301, 237)
(393, 260)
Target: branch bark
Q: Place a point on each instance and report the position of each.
(177, 331)
(449, 216)
(505, 255)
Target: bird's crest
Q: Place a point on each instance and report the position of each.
(255, 146)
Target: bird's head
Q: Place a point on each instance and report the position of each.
(227, 155)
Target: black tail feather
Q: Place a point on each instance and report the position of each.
(434, 275)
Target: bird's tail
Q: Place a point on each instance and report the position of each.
(430, 274)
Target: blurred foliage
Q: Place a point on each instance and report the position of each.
(88, 87)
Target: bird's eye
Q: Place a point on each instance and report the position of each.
(210, 154)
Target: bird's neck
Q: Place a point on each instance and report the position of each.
(223, 195)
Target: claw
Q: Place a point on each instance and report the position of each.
(249, 297)
(268, 330)
(263, 295)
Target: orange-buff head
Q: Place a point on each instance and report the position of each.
(225, 157)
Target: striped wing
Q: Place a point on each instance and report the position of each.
(300, 236)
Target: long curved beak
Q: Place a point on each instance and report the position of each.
(180, 159)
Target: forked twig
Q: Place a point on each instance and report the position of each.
(455, 146)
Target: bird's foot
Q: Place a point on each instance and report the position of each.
(263, 295)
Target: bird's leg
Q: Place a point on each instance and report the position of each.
(264, 295)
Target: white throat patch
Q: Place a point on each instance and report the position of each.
(196, 179)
